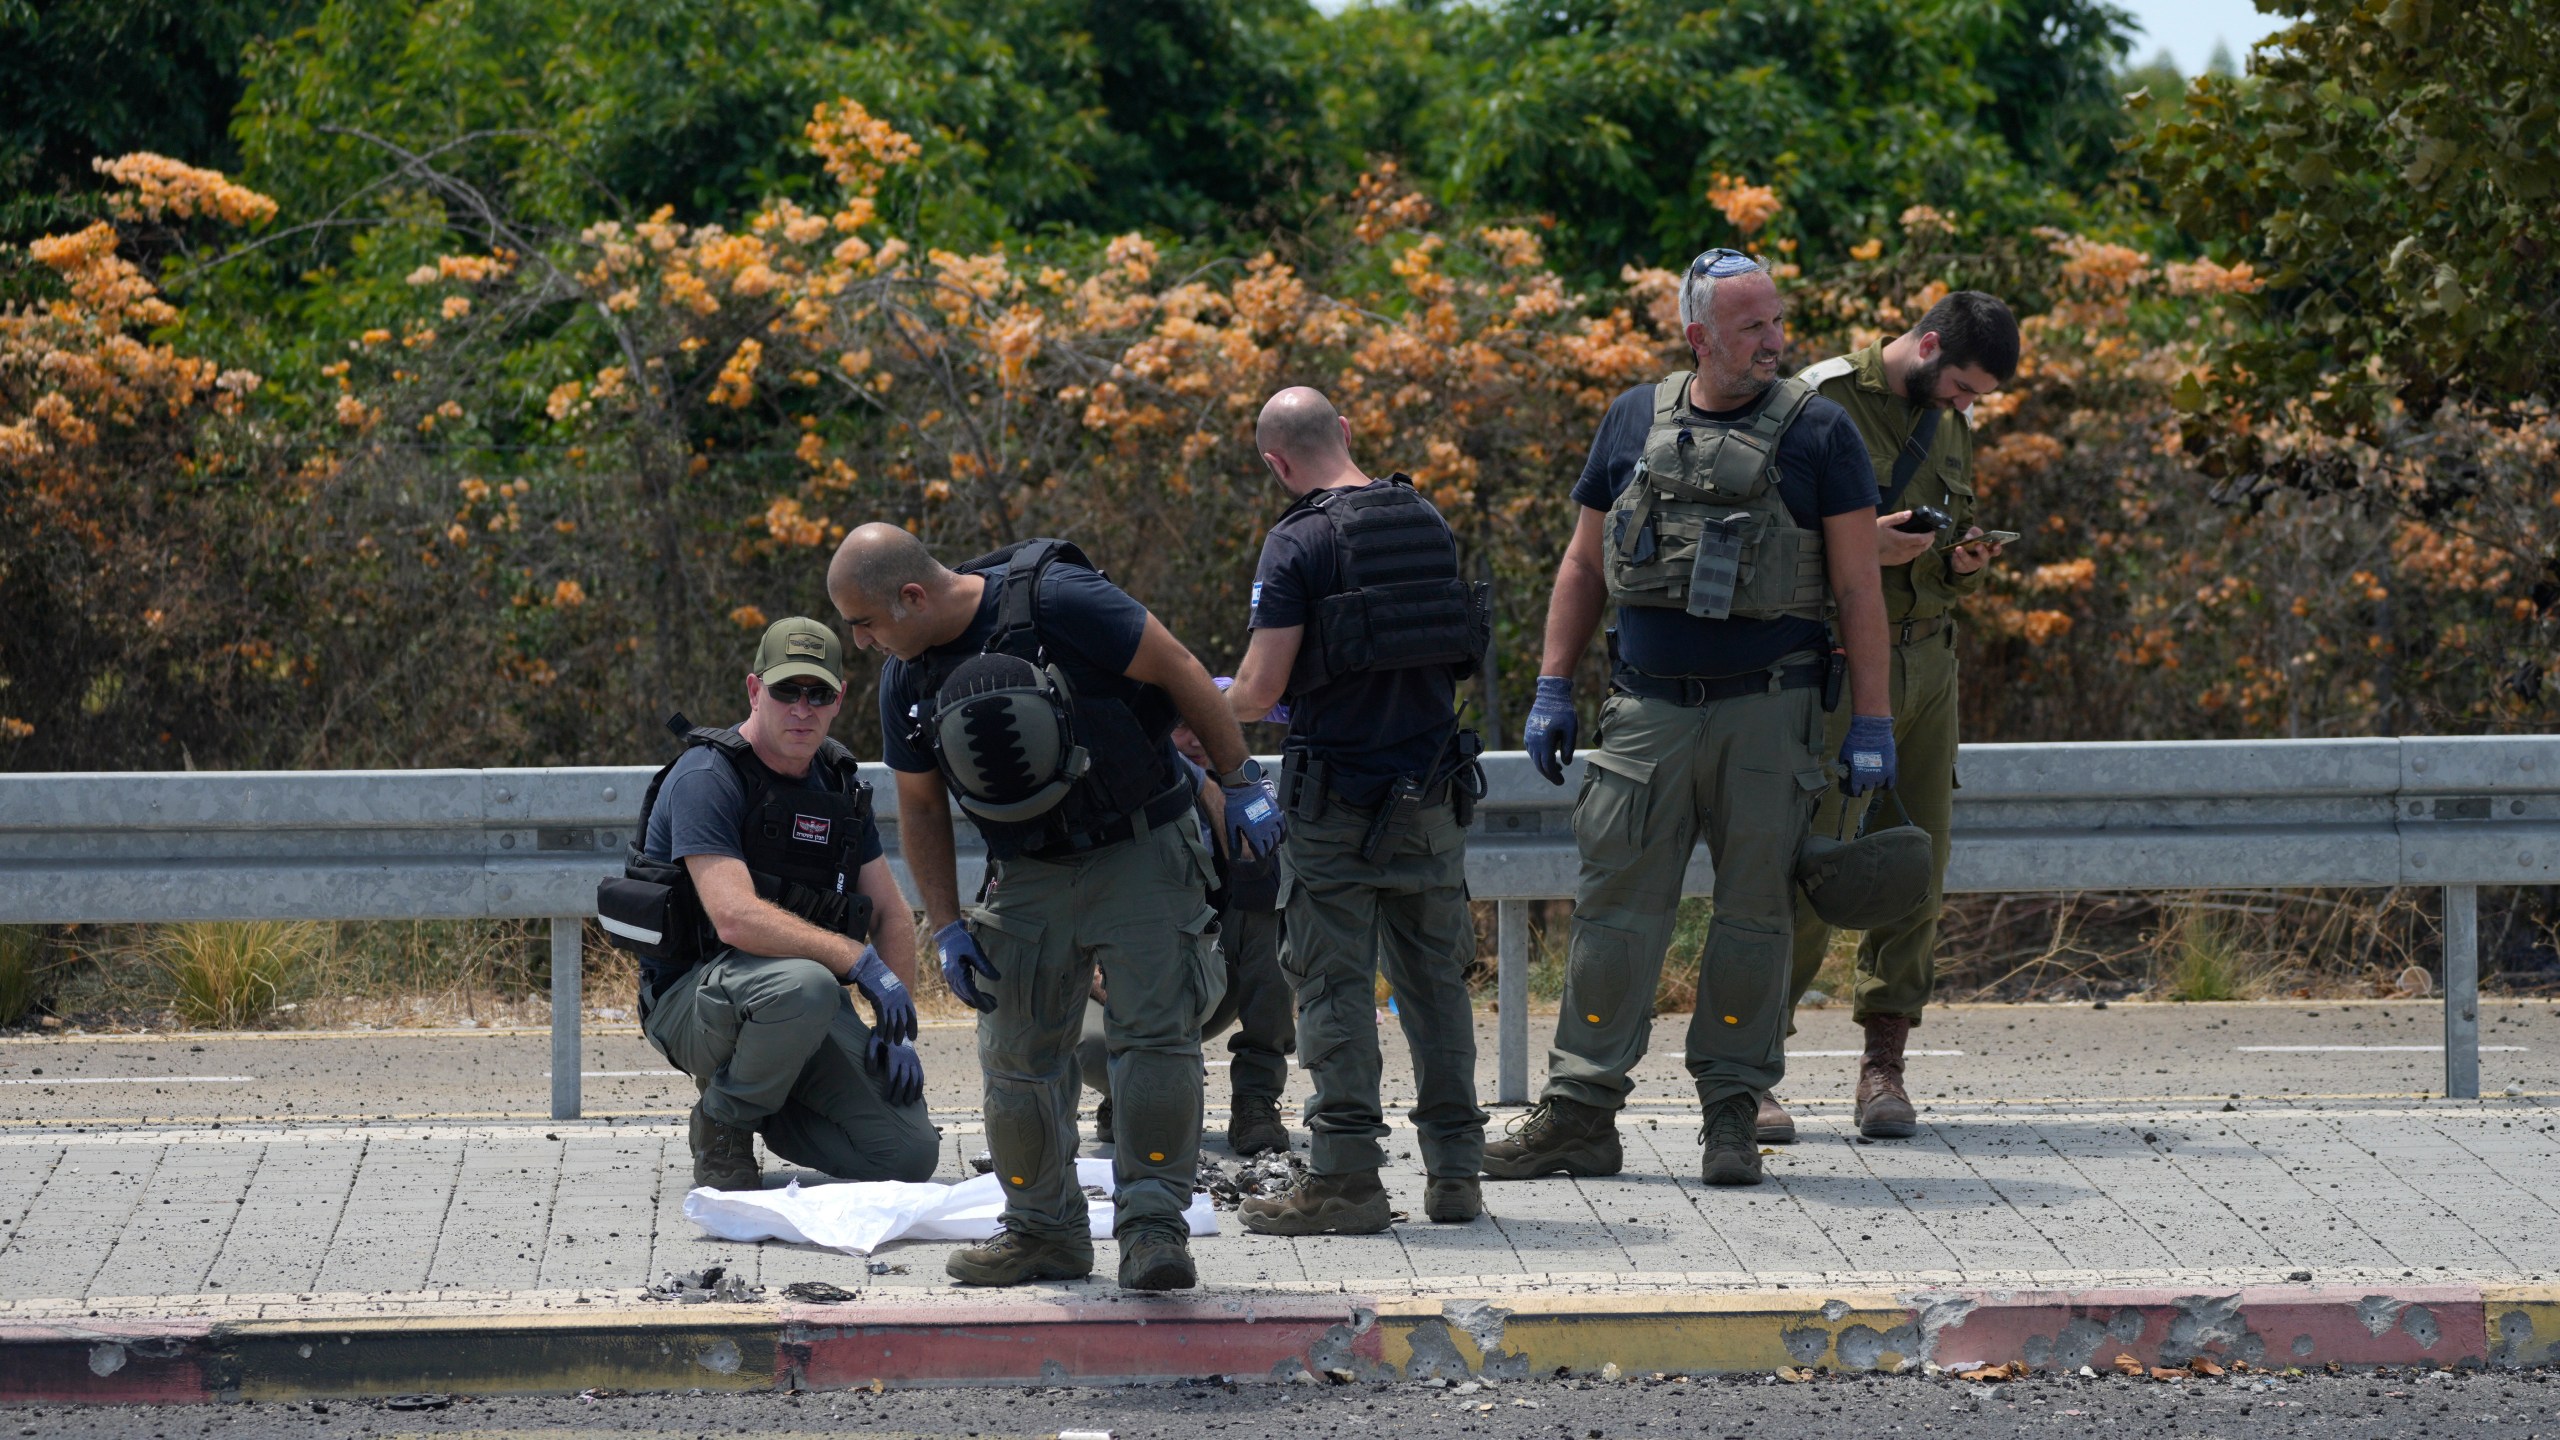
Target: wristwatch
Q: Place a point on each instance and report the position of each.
(1248, 773)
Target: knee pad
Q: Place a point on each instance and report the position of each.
(1022, 1134)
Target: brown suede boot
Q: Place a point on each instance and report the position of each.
(1774, 1126)
(1884, 1108)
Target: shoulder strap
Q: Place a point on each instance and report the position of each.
(1823, 372)
(1786, 401)
(1017, 617)
(1667, 394)
(722, 738)
(1915, 448)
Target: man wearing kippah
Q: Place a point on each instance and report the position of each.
(1730, 515)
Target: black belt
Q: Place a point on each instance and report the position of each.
(1163, 810)
(1708, 689)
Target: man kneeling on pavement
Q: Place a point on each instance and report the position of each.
(755, 894)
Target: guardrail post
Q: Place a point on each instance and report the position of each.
(2462, 992)
(1511, 990)
(568, 956)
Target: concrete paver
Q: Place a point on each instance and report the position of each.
(2050, 1154)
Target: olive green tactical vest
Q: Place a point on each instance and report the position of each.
(1701, 527)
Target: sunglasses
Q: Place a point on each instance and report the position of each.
(1721, 263)
(792, 692)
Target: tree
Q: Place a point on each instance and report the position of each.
(2392, 172)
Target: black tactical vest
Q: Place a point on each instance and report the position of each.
(802, 846)
(1401, 604)
(1134, 770)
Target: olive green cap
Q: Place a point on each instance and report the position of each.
(796, 647)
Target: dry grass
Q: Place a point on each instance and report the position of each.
(22, 970)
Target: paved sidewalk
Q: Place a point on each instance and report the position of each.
(275, 1220)
(2305, 1226)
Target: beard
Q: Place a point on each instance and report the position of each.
(1920, 387)
(1734, 374)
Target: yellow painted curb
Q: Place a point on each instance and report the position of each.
(1644, 1334)
(2523, 1323)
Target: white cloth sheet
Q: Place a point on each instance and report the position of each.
(860, 1217)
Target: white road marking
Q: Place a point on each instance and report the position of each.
(133, 1080)
(623, 1074)
(1854, 1054)
(2409, 1049)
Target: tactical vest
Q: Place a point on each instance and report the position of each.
(802, 846)
(1701, 527)
(1133, 769)
(1402, 604)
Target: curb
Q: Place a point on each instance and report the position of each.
(1115, 1340)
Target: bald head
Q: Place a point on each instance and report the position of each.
(877, 561)
(1301, 437)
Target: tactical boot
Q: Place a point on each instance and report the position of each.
(1557, 1137)
(1254, 1126)
(1013, 1257)
(1348, 1204)
(1156, 1255)
(1733, 1153)
(1453, 1200)
(1774, 1125)
(1884, 1107)
(1102, 1123)
(724, 1156)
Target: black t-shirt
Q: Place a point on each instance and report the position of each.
(1089, 626)
(1369, 727)
(702, 810)
(1823, 470)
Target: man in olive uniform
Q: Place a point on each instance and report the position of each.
(1041, 697)
(1361, 620)
(759, 843)
(1729, 513)
(1257, 1003)
(1908, 398)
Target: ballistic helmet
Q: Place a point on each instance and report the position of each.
(1002, 737)
(1874, 879)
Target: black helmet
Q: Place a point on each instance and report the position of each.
(1001, 734)
(1873, 880)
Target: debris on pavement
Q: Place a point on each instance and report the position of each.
(416, 1402)
(818, 1292)
(698, 1287)
(1252, 1179)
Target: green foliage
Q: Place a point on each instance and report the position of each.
(86, 78)
(1613, 116)
(2391, 171)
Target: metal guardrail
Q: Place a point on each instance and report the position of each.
(2454, 813)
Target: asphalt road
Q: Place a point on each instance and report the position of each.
(2393, 1405)
(1964, 1055)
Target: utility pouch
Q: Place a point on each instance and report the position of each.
(639, 916)
(1396, 815)
(1305, 784)
(1835, 668)
(1716, 570)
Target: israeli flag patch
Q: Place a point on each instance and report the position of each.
(1256, 605)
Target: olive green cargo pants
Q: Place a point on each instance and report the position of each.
(1744, 773)
(1897, 964)
(1257, 1004)
(1406, 914)
(776, 1047)
(1140, 910)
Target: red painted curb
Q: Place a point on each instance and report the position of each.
(119, 1362)
(2273, 1326)
(1067, 1341)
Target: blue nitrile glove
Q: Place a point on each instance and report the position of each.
(1277, 715)
(1552, 728)
(904, 1071)
(1253, 815)
(961, 955)
(1868, 753)
(893, 1010)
